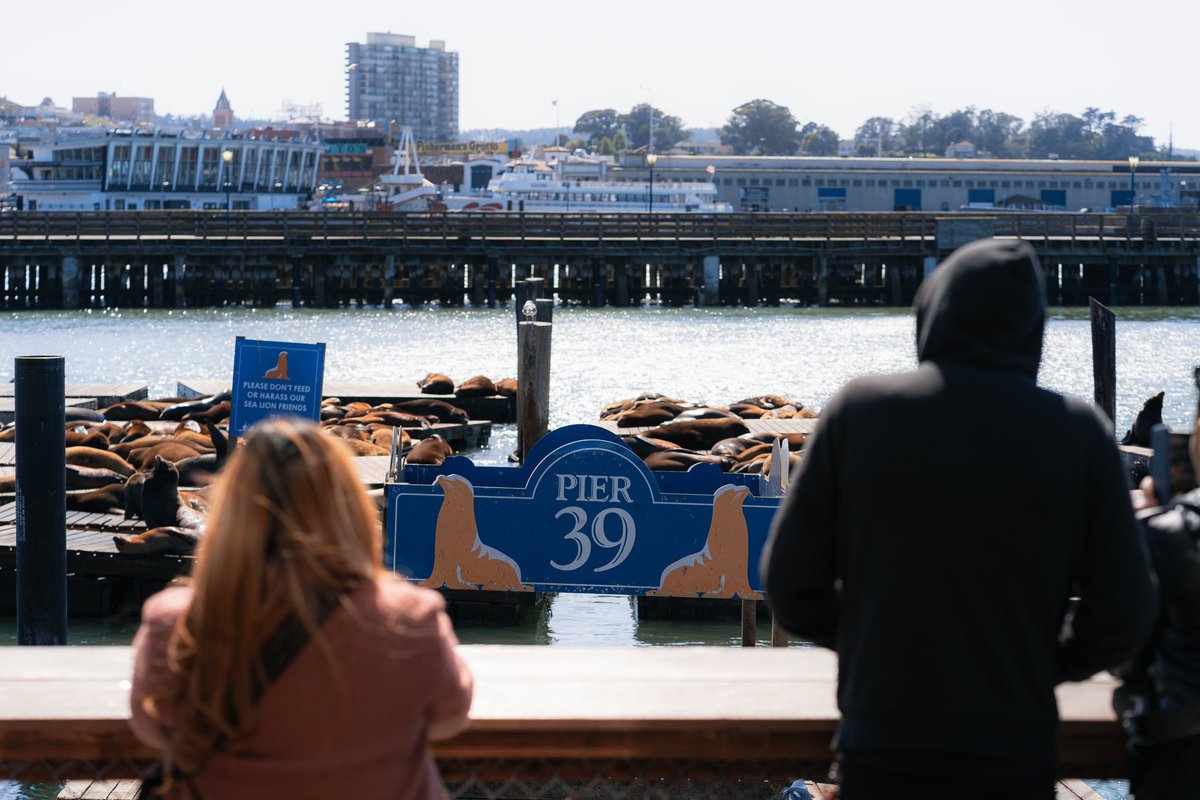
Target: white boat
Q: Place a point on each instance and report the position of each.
(405, 188)
(535, 186)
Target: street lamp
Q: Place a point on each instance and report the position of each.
(650, 159)
(162, 204)
(227, 157)
(1133, 164)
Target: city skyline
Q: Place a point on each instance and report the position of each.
(827, 66)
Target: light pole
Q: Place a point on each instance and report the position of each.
(227, 157)
(1133, 165)
(650, 159)
(162, 204)
(1182, 190)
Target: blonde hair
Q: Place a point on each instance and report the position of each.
(291, 524)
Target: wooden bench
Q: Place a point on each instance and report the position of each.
(707, 713)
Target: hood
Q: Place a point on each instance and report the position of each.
(985, 305)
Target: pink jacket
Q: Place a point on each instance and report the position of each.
(358, 729)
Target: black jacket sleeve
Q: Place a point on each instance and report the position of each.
(799, 565)
(1118, 600)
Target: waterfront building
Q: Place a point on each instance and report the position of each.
(390, 79)
(223, 112)
(797, 183)
(109, 105)
(85, 169)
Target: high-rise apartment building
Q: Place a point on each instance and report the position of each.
(390, 79)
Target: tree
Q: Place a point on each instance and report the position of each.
(873, 135)
(818, 140)
(761, 127)
(668, 130)
(598, 124)
(998, 133)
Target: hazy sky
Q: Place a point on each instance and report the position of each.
(833, 62)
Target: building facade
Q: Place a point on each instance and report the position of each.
(125, 109)
(796, 183)
(390, 79)
(129, 170)
(223, 112)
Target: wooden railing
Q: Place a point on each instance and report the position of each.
(769, 712)
(250, 226)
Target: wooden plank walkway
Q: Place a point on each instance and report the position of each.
(493, 409)
(8, 408)
(535, 705)
(105, 393)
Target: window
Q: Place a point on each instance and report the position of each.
(793, 182)
(857, 182)
(779, 182)
(870, 181)
(920, 182)
(956, 184)
(820, 182)
(806, 181)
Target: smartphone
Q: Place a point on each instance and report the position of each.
(1160, 463)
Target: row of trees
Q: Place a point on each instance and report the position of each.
(762, 127)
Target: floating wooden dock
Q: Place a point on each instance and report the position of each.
(79, 395)
(492, 409)
(795, 425)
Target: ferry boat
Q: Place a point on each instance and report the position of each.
(542, 187)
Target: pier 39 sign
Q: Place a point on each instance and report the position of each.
(584, 514)
(275, 379)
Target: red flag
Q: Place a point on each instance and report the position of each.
(710, 169)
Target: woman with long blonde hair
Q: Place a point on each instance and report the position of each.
(368, 675)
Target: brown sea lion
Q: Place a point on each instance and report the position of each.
(357, 409)
(432, 450)
(699, 434)
(735, 446)
(362, 447)
(179, 410)
(332, 412)
(143, 458)
(88, 439)
(391, 417)
(218, 413)
(436, 383)
(161, 504)
(8, 433)
(8, 483)
(769, 401)
(132, 410)
(382, 436)
(646, 415)
(123, 449)
(91, 478)
(106, 499)
(722, 567)
(1147, 418)
(705, 412)
(460, 558)
(747, 411)
(348, 431)
(682, 460)
(168, 540)
(429, 407)
(133, 494)
(479, 386)
(98, 459)
(506, 387)
(643, 446)
(133, 430)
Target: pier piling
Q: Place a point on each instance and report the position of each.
(533, 383)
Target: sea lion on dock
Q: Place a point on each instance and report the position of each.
(507, 387)
(460, 558)
(647, 415)
(436, 383)
(643, 446)
(432, 450)
(705, 412)
(144, 457)
(129, 410)
(87, 439)
(1147, 418)
(699, 434)
(106, 499)
(721, 568)
(218, 413)
(78, 414)
(747, 411)
(429, 407)
(363, 447)
(168, 541)
(91, 477)
(98, 459)
(479, 386)
(8, 433)
(161, 503)
(178, 411)
(681, 460)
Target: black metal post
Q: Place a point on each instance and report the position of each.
(652, 187)
(41, 500)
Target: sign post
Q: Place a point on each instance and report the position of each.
(275, 379)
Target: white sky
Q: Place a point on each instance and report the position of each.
(834, 62)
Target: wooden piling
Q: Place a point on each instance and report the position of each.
(749, 623)
(1104, 357)
(533, 382)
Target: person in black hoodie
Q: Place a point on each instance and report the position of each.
(933, 534)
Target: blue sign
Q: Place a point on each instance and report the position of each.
(584, 514)
(275, 379)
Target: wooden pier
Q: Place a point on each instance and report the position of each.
(669, 720)
(78, 395)
(181, 259)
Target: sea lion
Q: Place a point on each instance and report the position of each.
(769, 401)
(699, 434)
(436, 383)
(143, 457)
(331, 412)
(682, 460)
(178, 411)
(133, 410)
(217, 413)
(460, 559)
(747, 411)
(280, 370)
(391, 418)
(383, 436)
(429, 407)
(77, 414)
(91, 477)
(348, 431)
(721, 569)
(479, 386)
(8, 433)
(735, 446)
(161, 504)
(123, 449)
(98, 459)
(432, 450)
(106, 499)
(704, 412)
(363, 447)
(1147, 418)
(133, 430)
(88, 439)
(643, 446)
(133, 494)
(167, 540)
(647, 415)
(506, 387)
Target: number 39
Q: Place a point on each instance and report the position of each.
(624, 543)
